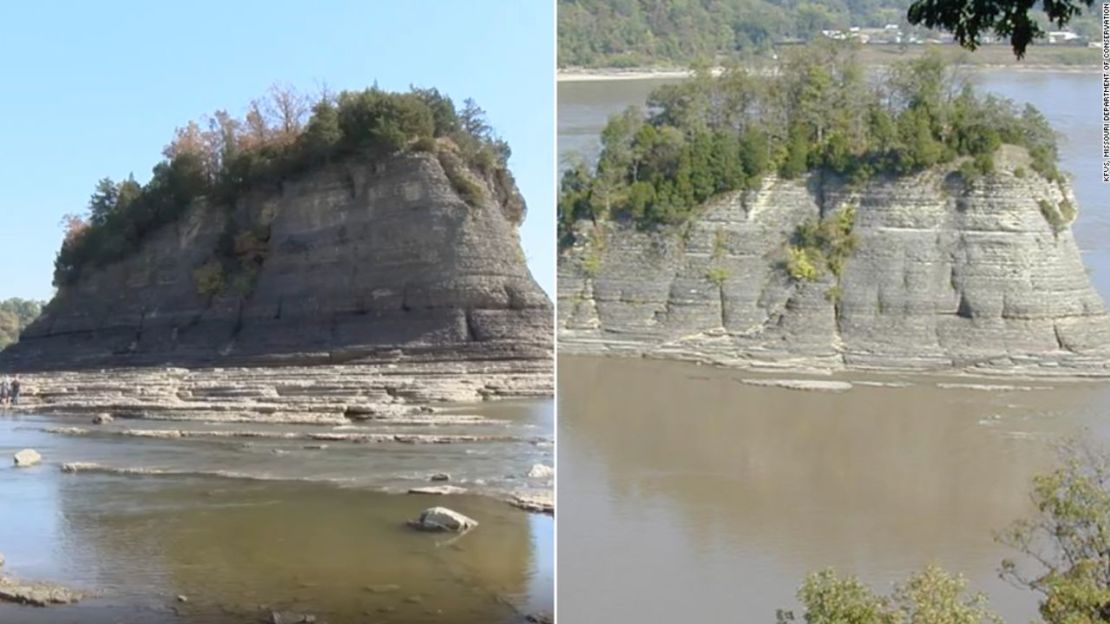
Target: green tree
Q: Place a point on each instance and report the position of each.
(1066, 542)
(969, 20)
(15, 315)
(932, 596)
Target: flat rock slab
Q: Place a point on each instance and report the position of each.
(991, 387)
(35, 594)
(438, 489)
(536, 502)
(801, 384)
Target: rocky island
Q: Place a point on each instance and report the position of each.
(363, 262)
(822, 220)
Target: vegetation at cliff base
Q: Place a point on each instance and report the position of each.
(714, 134)
(281, 136)
(15, 315)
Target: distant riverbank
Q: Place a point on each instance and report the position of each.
(988, 58)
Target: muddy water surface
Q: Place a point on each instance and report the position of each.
(686, 494)
(303, 530)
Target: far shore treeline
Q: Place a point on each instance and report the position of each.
(15, 315)
(713, 134)
(282, 135)
(654, 33)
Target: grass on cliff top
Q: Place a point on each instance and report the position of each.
(280, 136)
(714, 134)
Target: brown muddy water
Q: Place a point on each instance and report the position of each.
(244, 527)
(687, 495)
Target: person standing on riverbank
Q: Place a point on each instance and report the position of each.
(13, 392)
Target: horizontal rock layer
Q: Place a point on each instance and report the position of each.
(396, 393)
(364, 262)
(947, 274)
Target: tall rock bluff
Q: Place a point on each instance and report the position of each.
(357, 262)
(948, 273)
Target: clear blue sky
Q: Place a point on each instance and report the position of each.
(95, 89)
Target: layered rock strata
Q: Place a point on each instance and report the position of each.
(359, 283)
(949, 272)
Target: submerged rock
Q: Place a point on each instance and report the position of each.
(440, 476)
(35, 593)
(383, 589)
(438, 489)
(800, 384)
(27, 457)
(290, 617)
(539, 471)
(443, 519)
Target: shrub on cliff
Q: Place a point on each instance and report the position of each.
(280, 136)
(713, 134)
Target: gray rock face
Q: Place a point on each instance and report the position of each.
(365, 263)
(947, 274)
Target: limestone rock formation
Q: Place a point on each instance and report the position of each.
(359, 262)
(948, 273)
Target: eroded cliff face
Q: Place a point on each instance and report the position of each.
(947, 273)
(360, 262)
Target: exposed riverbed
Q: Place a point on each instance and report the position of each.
(243, 519)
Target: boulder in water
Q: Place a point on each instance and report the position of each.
(102, 418)
(27, 457)
(443, 519)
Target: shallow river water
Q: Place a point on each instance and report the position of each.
(307, 530)
(687, 495)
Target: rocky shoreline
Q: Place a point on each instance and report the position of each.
(303, 395)
(399, 403)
